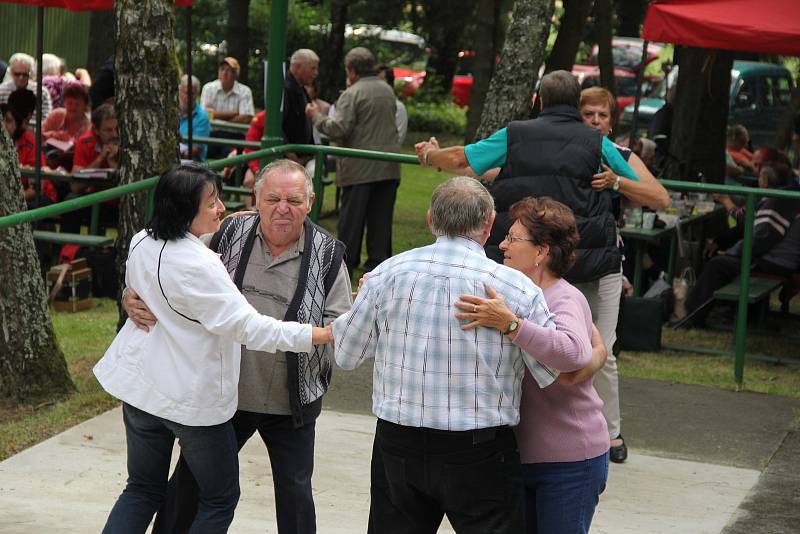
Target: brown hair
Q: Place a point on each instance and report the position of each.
(551, 223)
(596, 96)
(76, 90)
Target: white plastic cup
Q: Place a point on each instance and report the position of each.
(648, 220)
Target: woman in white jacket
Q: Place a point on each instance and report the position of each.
(179, 379)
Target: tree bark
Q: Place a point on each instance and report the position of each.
(147, 107)
(101, 39)
(511, 88)
(603, 23)
(32, 365)
(630, 14)
(331, 76)
(700, 117)
(570, 35)
(488, 42)
(443, 24)
(237, 35)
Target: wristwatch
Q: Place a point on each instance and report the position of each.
(615, 187)
(512, 327)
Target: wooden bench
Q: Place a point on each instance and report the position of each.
(758, 292)
(59, 238)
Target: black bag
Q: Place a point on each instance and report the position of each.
(104, 271)
(639, 325)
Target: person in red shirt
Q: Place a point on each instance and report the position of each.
(254, 133)
(17, 113)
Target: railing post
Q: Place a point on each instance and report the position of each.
(273, 91)
(94, 224)
(319, 168)
(744, 277)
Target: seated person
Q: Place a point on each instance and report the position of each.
(17, 113)
(200, 124)
(737, 142)
(20, 75)
(97, 149)
(228, 100)
(773, 217)
(68, 123)
(254, 133)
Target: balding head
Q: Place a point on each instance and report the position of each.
(461, 206)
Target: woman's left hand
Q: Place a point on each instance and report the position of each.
(491, 312)
(604, 180)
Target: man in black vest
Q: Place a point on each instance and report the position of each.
(291, 269)
(556, 155)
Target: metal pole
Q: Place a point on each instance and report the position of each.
(37, 186)
(744, 277)
(319, 168)
(639, 78)
(273, 90)
(192, 96)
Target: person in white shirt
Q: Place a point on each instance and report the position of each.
(225, 97)
(179, 379)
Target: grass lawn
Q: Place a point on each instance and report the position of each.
(84, 337)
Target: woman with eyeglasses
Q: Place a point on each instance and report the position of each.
(562, 434)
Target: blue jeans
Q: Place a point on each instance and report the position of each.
(211, 453)
(560, 497)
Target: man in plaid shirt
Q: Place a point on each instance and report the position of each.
(445, 398)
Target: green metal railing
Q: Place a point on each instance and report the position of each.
(320, 152)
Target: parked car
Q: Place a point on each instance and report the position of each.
(760, 94)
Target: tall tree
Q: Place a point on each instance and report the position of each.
(443, 24)
(237, 34)
(489, 37)
(700, 116)
(331, 76)
(511, 88)
(630, 14)
(570, 35)
(603, 23)
(147, 106)
(101, 39)
(31, 363)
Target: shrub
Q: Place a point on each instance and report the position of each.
(436, 117)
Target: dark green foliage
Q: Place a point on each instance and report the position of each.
(436, 117)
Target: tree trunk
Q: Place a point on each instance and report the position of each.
(700, 117)
(331, 76)
(147, 107)
(511, 88)
(488, 42)
(101, 39)
(237, 34)
(31, 363)
(603, 23)
(444, 23)
(570, 35)
(630, 14)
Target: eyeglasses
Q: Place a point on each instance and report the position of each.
(511, 238)
(21, 74)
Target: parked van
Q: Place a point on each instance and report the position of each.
(760, 94)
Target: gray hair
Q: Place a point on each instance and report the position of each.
(285, 166)
(303, 56)
(460, 206)
(51, 65)
(648, 148)
(559, 88)
(23, 58)
(361, 61)
(195, 83)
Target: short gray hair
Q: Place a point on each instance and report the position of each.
(303, 56)
(460, 206)
(361, 61)
(25, 59)
(51, 65)
(285, 166)
(195, 83)
(560, 87)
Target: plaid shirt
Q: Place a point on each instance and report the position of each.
(428, 371)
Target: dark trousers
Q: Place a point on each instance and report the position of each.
(209, 454)
(718, 272)
(370, 205)
(419, 475)
(291, 455)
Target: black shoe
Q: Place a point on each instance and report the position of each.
(619, 453)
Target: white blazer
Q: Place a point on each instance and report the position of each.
(186, 368)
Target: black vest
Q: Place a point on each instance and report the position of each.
(556, 155)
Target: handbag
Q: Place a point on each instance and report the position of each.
(681, 286)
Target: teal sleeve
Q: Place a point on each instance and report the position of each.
(488, 153)
(615, 161)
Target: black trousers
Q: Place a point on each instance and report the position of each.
(419, 475)
(370, 205)
(718, 272)
(291, 455)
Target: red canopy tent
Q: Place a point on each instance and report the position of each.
(768, 26)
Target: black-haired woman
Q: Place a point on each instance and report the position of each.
(179, 379)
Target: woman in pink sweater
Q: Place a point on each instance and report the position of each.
(562, 435)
